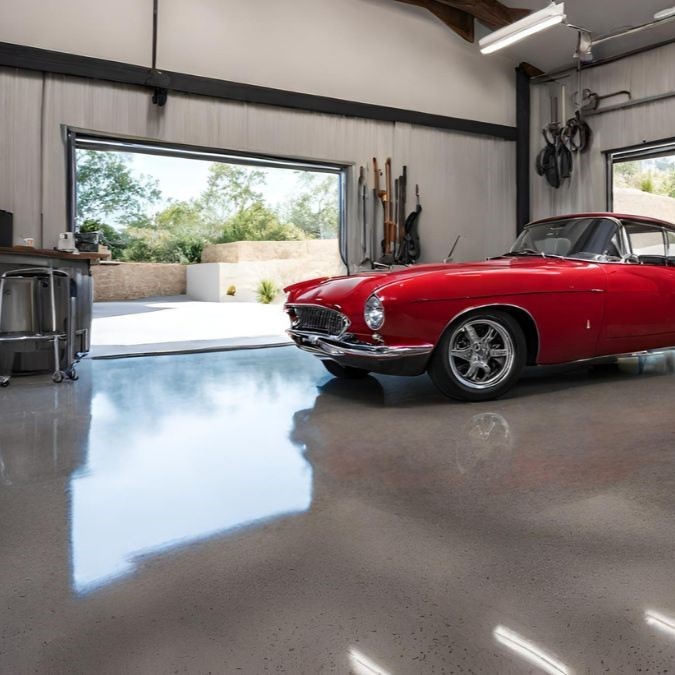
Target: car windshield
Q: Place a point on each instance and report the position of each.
(583, 238)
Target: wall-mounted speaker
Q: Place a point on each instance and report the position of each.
(6, 228)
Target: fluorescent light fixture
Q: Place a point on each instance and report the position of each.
(664, 14)
(529, 25)
(661, 621)
(530, 651)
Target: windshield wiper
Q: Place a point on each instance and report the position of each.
(526, 251)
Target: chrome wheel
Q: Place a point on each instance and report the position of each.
(481, 353)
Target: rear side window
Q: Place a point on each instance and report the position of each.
(670, 240)
(647, 242)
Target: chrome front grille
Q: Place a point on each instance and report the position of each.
(318, 320)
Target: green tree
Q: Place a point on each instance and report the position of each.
(231, 189)
(258, 222)
(146, 245)
(315, 209)
(182, 217)
(108, 191)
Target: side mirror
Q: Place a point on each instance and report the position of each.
(631, 259)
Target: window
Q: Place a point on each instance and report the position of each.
(581, 238)
(670, 240)
(641, 181)
(647, 242)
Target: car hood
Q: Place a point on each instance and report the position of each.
(342, 292)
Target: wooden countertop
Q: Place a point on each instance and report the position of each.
(51, 253)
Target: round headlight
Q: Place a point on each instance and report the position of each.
(374, 313)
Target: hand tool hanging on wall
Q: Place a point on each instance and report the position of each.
(389, 226)
(363, 215)
(400, 219)
(394, 219)
(410, 245)
(374, 235)
(384, 200)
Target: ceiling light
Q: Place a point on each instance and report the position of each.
(664, 14)
(529, 25)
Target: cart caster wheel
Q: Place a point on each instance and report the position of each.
(57, 377)
(4, 383)
(71, 374)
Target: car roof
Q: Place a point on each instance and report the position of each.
(607, 214)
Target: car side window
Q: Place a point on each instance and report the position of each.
(670, 238)
(647, 242)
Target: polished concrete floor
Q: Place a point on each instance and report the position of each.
(242, 512)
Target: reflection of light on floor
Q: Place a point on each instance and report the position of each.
(219, 460)
(529, 651)
(362, 665)
(665, 623)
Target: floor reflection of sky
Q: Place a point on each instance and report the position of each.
(188, 467)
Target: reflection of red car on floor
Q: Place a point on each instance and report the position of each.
(571, 288)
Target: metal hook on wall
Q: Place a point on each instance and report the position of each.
(590, 100)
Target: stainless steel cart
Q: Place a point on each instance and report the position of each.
(27, 322)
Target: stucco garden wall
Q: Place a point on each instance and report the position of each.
(129, 281)
(244, 264)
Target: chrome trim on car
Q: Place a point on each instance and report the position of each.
(330, 347)
(621, 355)
(346, 323)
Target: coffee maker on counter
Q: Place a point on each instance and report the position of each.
(66, 242)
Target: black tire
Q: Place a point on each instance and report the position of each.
(453, 383)
(344, 372)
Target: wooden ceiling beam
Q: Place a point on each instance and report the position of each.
(490, 13)
(456, 19)
(459, 15)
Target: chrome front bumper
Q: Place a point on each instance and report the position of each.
(375, 358)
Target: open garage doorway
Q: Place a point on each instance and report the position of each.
(201, 242)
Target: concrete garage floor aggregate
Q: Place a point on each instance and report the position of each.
(243, 512)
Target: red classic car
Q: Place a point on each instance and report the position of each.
(572, 288)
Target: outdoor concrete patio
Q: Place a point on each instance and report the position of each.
(177, 324)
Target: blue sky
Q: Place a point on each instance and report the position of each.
(182, 179)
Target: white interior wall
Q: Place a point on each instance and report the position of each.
(646, 74)
(467, 182)
(374, 51)
(118, 31)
